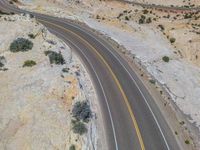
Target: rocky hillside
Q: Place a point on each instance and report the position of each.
(179, 3)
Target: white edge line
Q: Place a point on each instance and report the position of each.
(111, 119)
(133, 81)
(138, 89)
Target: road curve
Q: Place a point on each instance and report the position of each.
(130, 116)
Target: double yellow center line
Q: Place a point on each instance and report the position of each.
(114, 77)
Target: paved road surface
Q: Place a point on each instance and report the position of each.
(131, 119)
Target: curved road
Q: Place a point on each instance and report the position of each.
(131, 119)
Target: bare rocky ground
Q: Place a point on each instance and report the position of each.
(36, 102)
(179, 3)
(165, 43)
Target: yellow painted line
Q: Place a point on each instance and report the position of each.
(116, 80)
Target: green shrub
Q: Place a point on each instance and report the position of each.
(55, 58)
(165, 59)
(3, 69)
(29, 63)
(66, 70)
(72, 147)
(142, 19)
(21, 44)
(2, 61)
(1, 64)
(32, 36)
(98, 17)
(182, 123)
(172, 40)
(120, 15)
(148, 20)
(125, 11)
(145, 11)
(161, 27)
(82, 111)
(152, 81)
(79, 128)
(127, 18)
(187, 142)
(3, 13)
(188, 15)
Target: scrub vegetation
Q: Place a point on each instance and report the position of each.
(82, 115)
(29, 63)
(55, 58)
(21, 44)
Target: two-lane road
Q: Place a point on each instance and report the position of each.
(130, 116)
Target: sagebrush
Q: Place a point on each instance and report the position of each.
(55, 58)
(21, 44)
(82, 111)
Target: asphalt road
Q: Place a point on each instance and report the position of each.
(131, 119)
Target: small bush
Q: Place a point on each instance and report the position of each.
(72, 147)
(1, 64)
(3, 69)
(3, 13)
(172, 40)
(32, 36)
(182, 123)
(127, 18)
(21, 44)
(120, 15)
(66, 70)
(55, 58)
(187, 16)
(79, 128)
(165, 59)
(161, 27)
(142, 19)
(152, 81)
(82, 111)
(31, 15)
(29, 63)
(187, 142)
(145, 11)
(2, 61)
(98, 17)
(148, 20)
